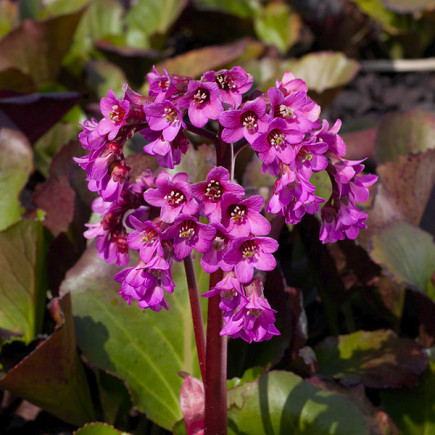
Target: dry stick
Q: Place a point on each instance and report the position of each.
(195, 307)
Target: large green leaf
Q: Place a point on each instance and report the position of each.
(408, 253)
(144, 348)
(378, 359)
(283, 403)
(15, 167)
(52, 376)
(148, 17)
(404, 133)
(22, 290)
(37, 48)
(324, 70)
(413, 410)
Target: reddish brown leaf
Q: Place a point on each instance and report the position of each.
(52, 376)
(377, 359)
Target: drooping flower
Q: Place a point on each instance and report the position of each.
(213, 259)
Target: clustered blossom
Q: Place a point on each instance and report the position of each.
(166, 217)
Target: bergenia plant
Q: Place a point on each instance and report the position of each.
(167, 218)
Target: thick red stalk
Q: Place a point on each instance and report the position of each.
(195, 307)
(215, 384)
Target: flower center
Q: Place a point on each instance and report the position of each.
(214, 190)
(276, 138)
(229, 294)
(248, 248)
(237, 212)
(283, 111)
(175, 198)
(170, 114)
(225, 82)
(149, 235)
(187, 229)
(220, 241)
(117, 114)
(305, 155)
(249, 120)
(119, 173)
(201, 96)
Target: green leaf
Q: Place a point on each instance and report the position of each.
(9, 16)
(103, 75)
(148, 17)
(37, 48)
(15, 167)
(52, 376)
(283, 403)
(413, 410)
(408, 253)
(378, 359)
(323, 70)
(388, 19)
(144, 348)
(98, 429)
(275, 24)
(22, 270)
(404, 133)
(240, 8)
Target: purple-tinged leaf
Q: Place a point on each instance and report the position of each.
(192, 405)
(16, 165)
(38, 47)
(408, 254)
(34, 114)
(377, 359)
(13, 81)
(52, 376)
(404, 133)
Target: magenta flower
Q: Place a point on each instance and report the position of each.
(232, 84)
(213, 259)
(332, 138)
(143, 286)
(188, 233)
(209, 193)
(89, 137)
(310, 156)
(115, 115)
(202, 102)
(248, 253)
(295, 109)
(276, 144)
(146, 239)
(255, 320)
(231, 292)
(243, 217)
(247, 122)
(165, 117)
(173, 195)
(161, 86)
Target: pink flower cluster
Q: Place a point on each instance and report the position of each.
(166, 217)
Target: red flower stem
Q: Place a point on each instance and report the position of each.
(215, 384)
(195, 307)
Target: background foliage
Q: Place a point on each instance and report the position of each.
(357, 318)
